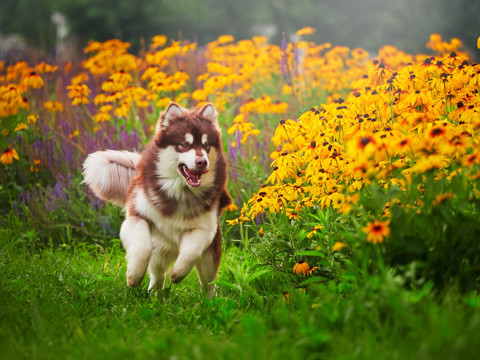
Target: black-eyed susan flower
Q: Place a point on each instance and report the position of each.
(377, 231)
(338, 246)
(314, 231)
(8, 155)
(32, 118)
(102, 116)
(260, 232)
(33, 80)
(45, 68)
(79, 94)
(301, 268)
(20, 127)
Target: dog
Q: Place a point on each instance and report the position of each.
(173, 194)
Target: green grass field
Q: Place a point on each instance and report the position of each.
(72, 303)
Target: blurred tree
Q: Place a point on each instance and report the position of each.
(28, 18)
(105, 19)
(370, 24)
(206, 20)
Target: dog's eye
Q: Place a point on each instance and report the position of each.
(206, 146)
(184, 144)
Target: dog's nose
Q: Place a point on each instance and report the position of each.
(201, 163)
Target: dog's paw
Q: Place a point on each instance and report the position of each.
(176, 277)
(211, 291)
(133, 280)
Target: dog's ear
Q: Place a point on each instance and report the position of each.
(172, 111)
(209, 113)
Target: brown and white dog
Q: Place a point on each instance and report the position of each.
(173, 193)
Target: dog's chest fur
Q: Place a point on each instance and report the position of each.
(171, 228)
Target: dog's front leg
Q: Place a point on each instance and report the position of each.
(135, 236)
(192, 246)
(207, 265)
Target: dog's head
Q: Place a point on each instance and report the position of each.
(189, 142)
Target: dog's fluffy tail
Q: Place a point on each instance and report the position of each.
(109, 173)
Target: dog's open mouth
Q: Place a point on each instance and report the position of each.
(191, 177)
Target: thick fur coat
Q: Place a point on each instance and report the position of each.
(173, 193)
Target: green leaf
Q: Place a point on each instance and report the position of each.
(312, 280)
(227, 285)
(311, 253)
(257, 275)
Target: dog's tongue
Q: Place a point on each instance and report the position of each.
(191, 177)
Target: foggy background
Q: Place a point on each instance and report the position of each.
(369, 24)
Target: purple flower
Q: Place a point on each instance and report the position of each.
(295, 61)
(92, 203)
(58, 190)
(238, 142)
(232, 151)
(284, 43)
(26, 197)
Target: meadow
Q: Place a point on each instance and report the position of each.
(354, 231)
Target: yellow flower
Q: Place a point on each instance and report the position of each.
(301, 268)
(53, 106)
(121, 77)
(79, 93)
(306, 31)
(102, 116)
(32, 118)
(314, 231)
(199, 95)
(21, 126)
(74, 134)
(287, 89)
(163, 102)
(338, 246)
(80, 79)
(34, 167)
(8, 155)
(159, 41)
(442, 197)
(33, 80)
(238, 220)
(45, 68)
(224, 39)
(376, 231)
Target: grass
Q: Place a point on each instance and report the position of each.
(71, 302)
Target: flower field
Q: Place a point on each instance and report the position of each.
(343, 165)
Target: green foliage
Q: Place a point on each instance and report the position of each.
(70, 302)
(440, 243)
(63, 213)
